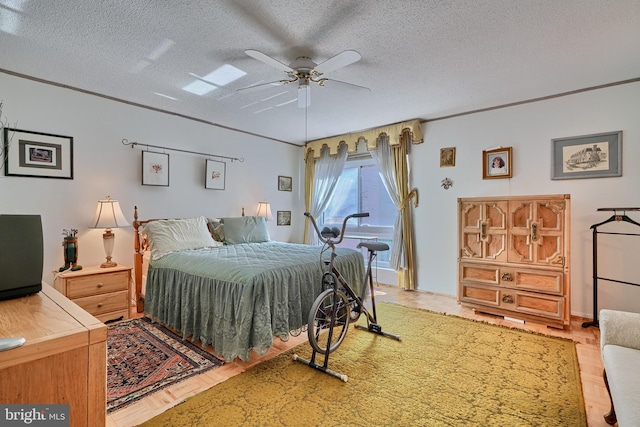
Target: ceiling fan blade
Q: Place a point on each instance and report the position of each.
(340, 60)
(263, 86)
(256, 54)
(336, 83)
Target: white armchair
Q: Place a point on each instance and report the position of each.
(620, 351)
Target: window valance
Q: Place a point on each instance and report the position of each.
(394, 132)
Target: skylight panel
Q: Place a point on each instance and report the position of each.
(11, 15)
(224, 75)
(199, 87)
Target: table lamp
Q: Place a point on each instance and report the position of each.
(108, 215)
(264, 209)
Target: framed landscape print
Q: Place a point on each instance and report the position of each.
(155, 169)
(497, 163)
(36, 154)
(215, 175)
(283, 217)
(284, 183)
(589, 156)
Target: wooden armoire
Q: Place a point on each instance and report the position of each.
(513, 257)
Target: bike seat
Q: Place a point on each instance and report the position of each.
(374, 246)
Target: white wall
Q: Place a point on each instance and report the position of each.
(529, 128)
(104, 166)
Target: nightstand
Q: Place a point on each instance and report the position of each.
(103, 292)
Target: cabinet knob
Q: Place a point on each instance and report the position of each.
(99, 305)
(507, 299)
(100, 285)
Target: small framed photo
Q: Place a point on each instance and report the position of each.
(447, 157)
(36, 154)
(155, 169)
(283, 217)
(215, 175)
(589, 156)
(497, 163)
(285, 183)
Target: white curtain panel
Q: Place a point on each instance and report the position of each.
(327, 172)
(384, 160)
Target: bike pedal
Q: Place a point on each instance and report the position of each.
(374, 327)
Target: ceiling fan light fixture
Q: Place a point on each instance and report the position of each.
(304, 94)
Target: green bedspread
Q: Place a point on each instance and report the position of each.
(239, 297)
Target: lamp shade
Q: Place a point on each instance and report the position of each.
(264, 209)
(108, 215)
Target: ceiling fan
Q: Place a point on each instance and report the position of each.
(304, 71)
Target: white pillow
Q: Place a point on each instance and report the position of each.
(172, 235)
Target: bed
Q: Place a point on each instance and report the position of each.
(236, 293)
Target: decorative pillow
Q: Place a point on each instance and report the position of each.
(172, 235)
(245, 229)
(216, 229)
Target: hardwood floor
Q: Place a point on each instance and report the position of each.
(587, 346)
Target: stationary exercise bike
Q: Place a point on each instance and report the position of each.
(338, 304)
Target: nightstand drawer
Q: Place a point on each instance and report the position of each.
(113, 315)
(98, 304)
(83, 286)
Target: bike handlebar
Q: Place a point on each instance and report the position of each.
(328, 240)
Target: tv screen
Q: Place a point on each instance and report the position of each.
(21, 255)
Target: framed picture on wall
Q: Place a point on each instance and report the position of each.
(36, 154)
(447, 157)
(155, 169)
(215, 175)
(283, 217)
(589, 156)
(497, 163)
(285, 183)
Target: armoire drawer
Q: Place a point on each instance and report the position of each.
(532, 303)
(545, 281)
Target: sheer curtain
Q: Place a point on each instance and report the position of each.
(326, 172)
(393, 167)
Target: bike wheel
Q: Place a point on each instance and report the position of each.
(328, 321)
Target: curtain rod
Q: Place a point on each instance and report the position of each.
(133, 144)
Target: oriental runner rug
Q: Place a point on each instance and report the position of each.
(446, 371)
(144, 357)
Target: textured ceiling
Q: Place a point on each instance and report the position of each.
(422, 59)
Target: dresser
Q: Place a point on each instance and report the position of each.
(63, 359)
(103, 292)
(513, 257)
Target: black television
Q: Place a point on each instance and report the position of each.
(21, 255)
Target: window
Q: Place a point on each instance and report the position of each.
(360, 189)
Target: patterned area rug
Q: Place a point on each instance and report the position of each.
(144, 357)
(446, 371)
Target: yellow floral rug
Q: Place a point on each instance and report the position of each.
(446, 371)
